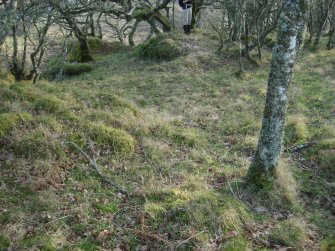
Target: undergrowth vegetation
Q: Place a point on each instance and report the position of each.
(178, 135)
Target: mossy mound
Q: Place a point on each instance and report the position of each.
(77, 68)
(119, 140)
(9, 120)
(50, 104)
(295, 130)
(188, 137)
(38, 144)
(160, 47)
(291, 232)
(113, 101)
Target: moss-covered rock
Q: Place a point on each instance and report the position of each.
(77, 68)
(119, 140)
(160, 47)
(9, 120)
(291, 232)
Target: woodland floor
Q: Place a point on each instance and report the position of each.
(195, 126)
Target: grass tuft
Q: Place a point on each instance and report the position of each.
(295, 130)
(4, 243)
(291, 232)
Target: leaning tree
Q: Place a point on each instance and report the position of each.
(262, 170)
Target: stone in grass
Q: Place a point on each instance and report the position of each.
(118, 140)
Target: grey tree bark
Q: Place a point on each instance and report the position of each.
(262, 170)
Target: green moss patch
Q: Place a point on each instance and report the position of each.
(328, 245)
(9, 120)
(50, 104)
(118, 140)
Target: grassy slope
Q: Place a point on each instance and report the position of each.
(195, 127)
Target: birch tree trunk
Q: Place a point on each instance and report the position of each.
(263, 167)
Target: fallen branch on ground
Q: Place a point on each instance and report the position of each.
(97, 169)
(301, 147)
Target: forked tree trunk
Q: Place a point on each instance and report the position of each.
(265, 161)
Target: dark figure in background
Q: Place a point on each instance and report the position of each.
(186, 5)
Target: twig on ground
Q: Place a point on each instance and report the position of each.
(183, 242)
(97, 169)
(154, 236)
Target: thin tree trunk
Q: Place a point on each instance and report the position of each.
(322, 21)
(330, 44)
(263, 167)
(6, 20)
(132, 33)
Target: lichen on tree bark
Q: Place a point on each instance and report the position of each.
(263, 166)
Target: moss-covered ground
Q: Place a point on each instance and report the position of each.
(178, 135)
